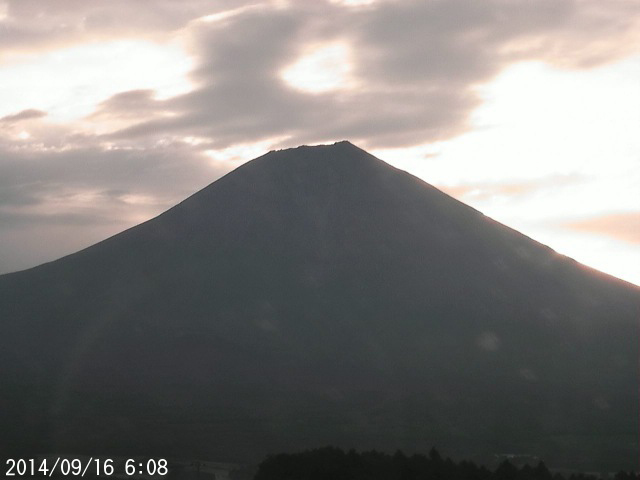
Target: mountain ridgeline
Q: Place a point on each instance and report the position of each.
(319, 296)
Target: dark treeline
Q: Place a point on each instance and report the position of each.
(335, 464)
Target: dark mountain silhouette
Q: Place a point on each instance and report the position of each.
(319, 296)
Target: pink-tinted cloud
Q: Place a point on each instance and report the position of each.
(486, 190)
(622, 226)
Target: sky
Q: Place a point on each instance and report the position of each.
(112, 112)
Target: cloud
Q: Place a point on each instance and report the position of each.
(415, 67)
(166, 172)
(28, 114)
(243, 96)
(87, 184)
(126, 102)
(31, 25)
(56, 199)
(622, 226)
(482, 191)
(130, 106)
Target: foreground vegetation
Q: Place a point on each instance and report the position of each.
(335, 464)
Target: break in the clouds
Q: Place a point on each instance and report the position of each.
(409, 68)
(114, 110)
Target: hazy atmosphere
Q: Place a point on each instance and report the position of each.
(112, 112)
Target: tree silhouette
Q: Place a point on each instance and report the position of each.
(333, 463)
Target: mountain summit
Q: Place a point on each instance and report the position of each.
(319, 296)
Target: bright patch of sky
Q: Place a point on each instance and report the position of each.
(548, 146)
(70, 82)
(321, 69)
(353, 3)
(238, 154)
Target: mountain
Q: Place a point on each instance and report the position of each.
(319, 296)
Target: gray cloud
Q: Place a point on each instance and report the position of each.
(12, 220)
(417, 64)
(33, 24)
(242, 97)
(133, 104)
(28, 114)
(87, 191)
(165, 172)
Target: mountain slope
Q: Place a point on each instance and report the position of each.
(317, 295)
